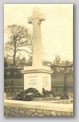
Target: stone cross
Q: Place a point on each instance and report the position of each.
(36, 20)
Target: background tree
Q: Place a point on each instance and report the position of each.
(5, 62)
(20, 40)
(57, 59)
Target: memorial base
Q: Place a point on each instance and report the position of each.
(37, 78)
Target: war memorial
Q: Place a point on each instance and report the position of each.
(37, 77)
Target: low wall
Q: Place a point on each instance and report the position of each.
(25, 108)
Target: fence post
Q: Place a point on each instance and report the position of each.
(12, 85)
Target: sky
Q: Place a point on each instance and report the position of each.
(56, 30)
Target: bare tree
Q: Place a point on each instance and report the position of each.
(57, 59)
(19, 40)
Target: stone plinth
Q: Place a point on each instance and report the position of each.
(37, 78)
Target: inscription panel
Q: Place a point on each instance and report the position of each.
(32, 81)
(45, 81)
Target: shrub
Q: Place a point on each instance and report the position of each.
(28, 94)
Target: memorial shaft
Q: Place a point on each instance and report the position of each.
(37, 49)
(35, 20)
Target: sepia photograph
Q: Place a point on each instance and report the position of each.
(38, 60)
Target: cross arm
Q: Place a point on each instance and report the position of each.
(42, 17)
(29, 20)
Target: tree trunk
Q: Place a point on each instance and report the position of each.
(65, 81)
(14, 54)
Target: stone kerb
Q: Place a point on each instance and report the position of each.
(39, 105)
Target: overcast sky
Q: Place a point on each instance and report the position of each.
(57, 29)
